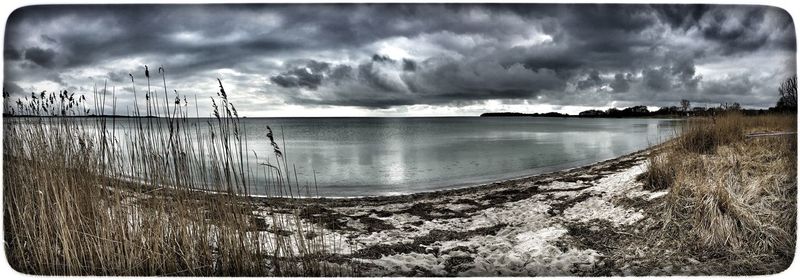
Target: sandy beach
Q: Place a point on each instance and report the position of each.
(571, 222)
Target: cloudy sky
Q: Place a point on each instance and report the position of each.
(409, 60)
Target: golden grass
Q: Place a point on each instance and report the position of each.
(660, 173)
(731, 197)
(82, 198)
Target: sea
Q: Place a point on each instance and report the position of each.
(352, 157)
(378, 156)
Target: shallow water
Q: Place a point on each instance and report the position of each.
(380, 156)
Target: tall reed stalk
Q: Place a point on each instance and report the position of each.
(169, 195)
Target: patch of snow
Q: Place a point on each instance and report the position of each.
(562, 185)
(527, 253)
(407, 263)
(356, 224)
(526, 246)
(655, 195)
(458, 207)
(599, 208)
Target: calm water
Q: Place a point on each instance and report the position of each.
(380, 156)
(384, 156)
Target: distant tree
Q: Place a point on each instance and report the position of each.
(685, 104)
(729, 107)
(788, 94)
(592, 113)
(635, 111)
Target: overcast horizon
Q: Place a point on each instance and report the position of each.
(408, 59)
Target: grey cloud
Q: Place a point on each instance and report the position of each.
(734, 86)
(48, 39)
(298, 77)
(42, 57)
(409, 65)
(620, 83)
(739, 29)
(436, 81)
(657, 78)
(12, 87)
(681, 16)
(119, 77)
(341, 72)
(592, 80)
(11, 54)
(679, 73)
(381, 58)
(733, 29)
(374, 77)
(328, 54)
(684, 70)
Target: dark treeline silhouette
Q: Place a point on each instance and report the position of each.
(636, 112)
(787, 104)
(642, 111)
(516, 114)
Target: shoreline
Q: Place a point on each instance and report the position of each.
(477, 183)
(545, 224)
(461, 189)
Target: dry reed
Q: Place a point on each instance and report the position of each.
(166, 197)
(731, 197)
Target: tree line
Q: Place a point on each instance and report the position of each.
(787, 103)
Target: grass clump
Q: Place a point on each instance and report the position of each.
(704, 135)
(732, 198)
(660, 173)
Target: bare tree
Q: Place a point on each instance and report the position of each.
(685, 104)
(788, 94)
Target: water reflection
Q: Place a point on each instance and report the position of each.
(377, 156)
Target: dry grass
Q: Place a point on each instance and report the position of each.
(660, 173)
(731, 198)
(703, 135)
(83, 198)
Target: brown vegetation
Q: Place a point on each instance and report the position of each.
(169, 197)
(731, 197)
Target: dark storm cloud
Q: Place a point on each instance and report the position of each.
(12, 54)
(48, 39)
(593, 80)
(657, 79)
(381, 58)
(740, 85)
(119, 77)
(12, 87)
(744, 36)
(376, 84)
(340, 73)
(621, 82)
(298, 77)
(449, 54)
(733, 28)
(308, 74)
(681, 16)
(409, 65)
(42, 57)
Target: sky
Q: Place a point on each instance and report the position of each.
(407, 59)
